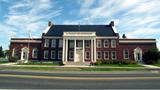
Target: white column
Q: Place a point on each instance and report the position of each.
(21, 54)
(75, 50)
(91, 50)
(95, 50)
(83, 51)
(63, 56)
(66, 50)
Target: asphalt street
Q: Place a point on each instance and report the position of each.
(83, 80)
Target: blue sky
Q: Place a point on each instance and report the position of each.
(135, 18)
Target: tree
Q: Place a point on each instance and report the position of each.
(1, 52)
(151, 56)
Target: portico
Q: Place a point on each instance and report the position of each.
(79, 39)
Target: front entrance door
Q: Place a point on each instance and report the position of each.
(24, 53)
(138, 55)
(79, 51)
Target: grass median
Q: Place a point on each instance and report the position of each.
(72, 69)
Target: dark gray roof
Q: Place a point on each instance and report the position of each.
(101, 30)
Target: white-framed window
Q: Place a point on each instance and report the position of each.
(87, 43)
(106, 55)
(53, 54)
(53, 44)
(126, 54)
(71, 54)
(34, 53)
(99, 44)
(113, 43)
(71, 44)
(60, 43)
(46, 43)
(113, 55)
(87, 55)
(106, 43)
(46, 54)
(99, 55)
(59, 54)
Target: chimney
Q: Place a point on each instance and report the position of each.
(111, 23)
(49, 23)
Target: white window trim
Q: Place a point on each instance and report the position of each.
(112, 55)
(59, 55)
(33, 54)
(86, 44)
(100, 41)
(13, 52)
(125, 55)
(54, 54)
(105, 55)
(46, 41)
(86, 55)
(46, 51)
(53, 43)
(70, 55)
(100, 55)
(104, 44)
(112, 43)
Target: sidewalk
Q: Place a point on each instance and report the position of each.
(78, 66)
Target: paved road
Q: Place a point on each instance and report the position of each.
(60, 80)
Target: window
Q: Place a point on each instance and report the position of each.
(53, 54)
(87, 55)
(71, 44)
(87, 43)
(113, 55)
(34, 53)
(99, 44)
(106, 43)
(60, 43)
(113, 43)
(60, 55)
(46, 43)
(106, 55)
(71, 54)
(53, 43)
(46, 54)
(126, 54)
(99, 55)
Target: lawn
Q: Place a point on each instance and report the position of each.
(121, 65)
(72, 69)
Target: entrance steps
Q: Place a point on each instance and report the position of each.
(77, 63)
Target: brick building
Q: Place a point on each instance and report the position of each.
(80, 43)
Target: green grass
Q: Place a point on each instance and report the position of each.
(121, 65)
(72, 69)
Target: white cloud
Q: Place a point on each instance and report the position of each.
(29, 15)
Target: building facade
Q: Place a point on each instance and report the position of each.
(80, 43)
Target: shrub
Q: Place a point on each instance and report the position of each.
(13, 59)
(102, 62)
(151, 56)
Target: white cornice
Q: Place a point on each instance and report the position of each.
(26, 41)
(136, 41)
